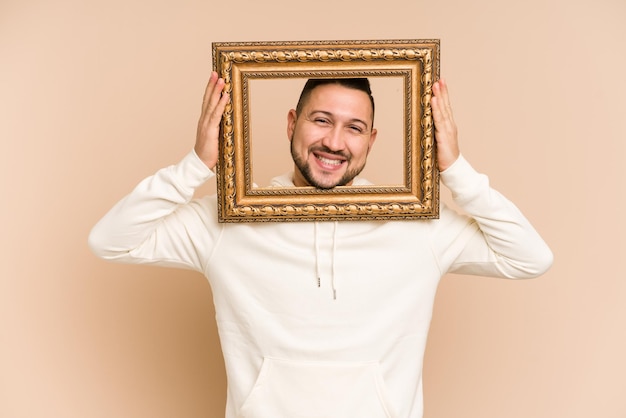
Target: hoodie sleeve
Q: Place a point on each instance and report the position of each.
(494, 239)
(158, 222)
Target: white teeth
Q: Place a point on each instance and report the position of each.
(330, 162)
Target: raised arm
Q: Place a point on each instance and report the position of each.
(495, 239)
(158, 222)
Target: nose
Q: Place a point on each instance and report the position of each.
(334, 140)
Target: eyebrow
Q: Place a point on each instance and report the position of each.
(327, 113)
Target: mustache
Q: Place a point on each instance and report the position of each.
(324, 149)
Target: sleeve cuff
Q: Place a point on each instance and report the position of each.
(192, 172)
(463, 180)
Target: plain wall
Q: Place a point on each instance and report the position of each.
(95, 95)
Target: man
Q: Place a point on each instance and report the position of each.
(322, 319)
(333, 127)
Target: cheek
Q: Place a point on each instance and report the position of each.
(360, 150)
(303, 139)
(299, 145)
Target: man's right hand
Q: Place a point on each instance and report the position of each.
(213, 106)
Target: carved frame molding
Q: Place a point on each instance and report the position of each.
(416, 61)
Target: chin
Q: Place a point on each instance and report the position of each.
(328, 183)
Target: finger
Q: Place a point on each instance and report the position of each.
(215, 117)
(209, 92)
(208, 89)
(442, 122)
(438, 110)
(440, 102)
(216, 95)
(442, 92)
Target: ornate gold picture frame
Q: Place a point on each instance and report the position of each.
(412, 64)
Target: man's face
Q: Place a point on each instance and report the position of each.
(331, 137)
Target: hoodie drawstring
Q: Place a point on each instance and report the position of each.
(332, 265)
(332, 259)
(317, 256)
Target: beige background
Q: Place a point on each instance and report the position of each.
(95, 95)
(270, 101)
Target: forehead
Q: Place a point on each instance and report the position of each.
(340, 101)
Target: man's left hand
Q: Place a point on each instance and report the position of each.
(446, 133)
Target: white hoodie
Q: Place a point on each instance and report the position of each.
(321, 319)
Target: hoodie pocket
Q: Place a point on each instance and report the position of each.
(295, 389)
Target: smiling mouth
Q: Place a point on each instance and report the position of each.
(329, 161)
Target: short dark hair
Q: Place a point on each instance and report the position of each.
(362, 84)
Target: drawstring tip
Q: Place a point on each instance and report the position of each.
(319, 282)
(334, 294)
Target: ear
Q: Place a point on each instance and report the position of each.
(372, 139)
(291, 123)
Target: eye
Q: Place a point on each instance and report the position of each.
(322, 121)
(356, 129)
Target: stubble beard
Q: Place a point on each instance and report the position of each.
(305, 169)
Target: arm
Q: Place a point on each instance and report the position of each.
(494, 239)
(158, 222)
